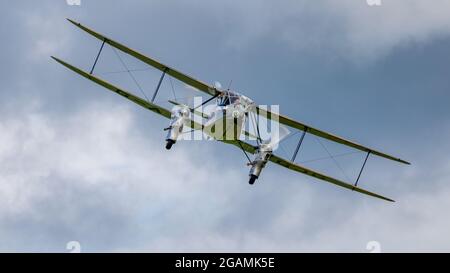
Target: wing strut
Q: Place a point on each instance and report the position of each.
(299, 144)
(208, 100)
(255, 122)
(152, 62)
(301, 126)
(159, 84)
(98, 56)
(246, 155)
(362, 168)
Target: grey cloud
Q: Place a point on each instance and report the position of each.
(78, 163)
(357, 31)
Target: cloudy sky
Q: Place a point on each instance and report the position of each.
(78, 163)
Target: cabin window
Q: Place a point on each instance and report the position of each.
(227, 100)
(223, 101)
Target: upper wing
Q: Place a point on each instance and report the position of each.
(298, 168)
(301, 126)
(169, 70)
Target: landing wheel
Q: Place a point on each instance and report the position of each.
(252, 179)
(169, 144)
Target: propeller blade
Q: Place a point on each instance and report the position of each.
(278, 135)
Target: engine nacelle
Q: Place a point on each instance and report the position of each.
(260, 161)
(178, 118)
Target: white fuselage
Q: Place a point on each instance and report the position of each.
(226, 120)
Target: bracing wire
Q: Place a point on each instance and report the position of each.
(327, 157)
(319, 158)
(243, 150)
(131, 74)
(255, 127)
(124, 71)
(173, 89)
(334, 159)
(283, 149)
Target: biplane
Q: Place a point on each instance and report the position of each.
(231, 108)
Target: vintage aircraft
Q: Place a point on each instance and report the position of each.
(232, 108)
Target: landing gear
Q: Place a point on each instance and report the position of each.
(169, 144)
(252, 179)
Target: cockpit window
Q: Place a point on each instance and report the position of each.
(233, 99)
(223, 101)
(227, 99)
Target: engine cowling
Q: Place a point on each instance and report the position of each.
(178, 118)
(265, 151)
(260, 161)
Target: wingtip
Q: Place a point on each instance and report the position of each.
(56, 59)
(60, 61)
(385, 198)
(360, 190)
(403, 161)
(72, 21)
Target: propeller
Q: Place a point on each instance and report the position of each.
(217, 85)
(276, 137)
